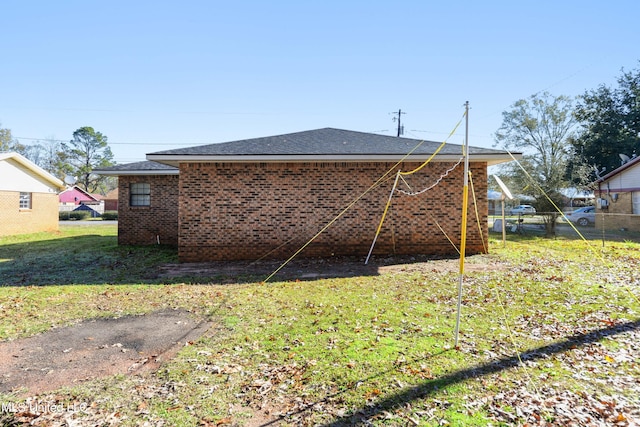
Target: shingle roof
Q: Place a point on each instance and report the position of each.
(327, 144)
(146, 168)
(326, 141)
(620, 169)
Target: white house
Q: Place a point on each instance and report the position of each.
(619, 196)
(28, 196)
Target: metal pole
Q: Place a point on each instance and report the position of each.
(504, 226)
(463, 236)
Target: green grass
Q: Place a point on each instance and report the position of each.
(77, 255)
(340, 350)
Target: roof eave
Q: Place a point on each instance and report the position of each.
(618, 170)
(175, 160)
(145, 172)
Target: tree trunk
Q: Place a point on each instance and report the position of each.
(550, 225)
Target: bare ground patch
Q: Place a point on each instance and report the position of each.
(93, 349)
(325, 268)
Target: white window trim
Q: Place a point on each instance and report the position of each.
(635, 202)
(26, 201)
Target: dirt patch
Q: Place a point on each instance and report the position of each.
(95, 348)
(324, 268)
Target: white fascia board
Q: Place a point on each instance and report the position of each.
(146, 172)
(175, 160)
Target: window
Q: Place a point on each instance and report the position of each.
(635, 200)
(25, 200)
(140, 194)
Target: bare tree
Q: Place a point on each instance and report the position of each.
(541, 127)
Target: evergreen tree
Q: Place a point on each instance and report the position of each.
(87, 151)
(610, 125)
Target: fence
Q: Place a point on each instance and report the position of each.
(607, 226)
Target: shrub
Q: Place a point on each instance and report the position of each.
(110, 215)
(79, 215)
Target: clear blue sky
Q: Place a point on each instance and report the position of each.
(154, 75)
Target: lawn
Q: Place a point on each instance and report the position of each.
(549, 336)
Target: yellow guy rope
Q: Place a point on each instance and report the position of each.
(475, 205)
(400, 174)
(350, 205)
(384, 215)
(439, 148)
(513, 342)
(435, 220)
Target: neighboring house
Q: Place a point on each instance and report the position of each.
(619, 197)
(28, 196)
(111, 200)
(73, 197)
(267, 197)
(574, 197)
(495, 202)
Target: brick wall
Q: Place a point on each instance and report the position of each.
(145, 225)
(43, 215)
(622, 205)
(247, 211)
(613, 221)
(618, 215)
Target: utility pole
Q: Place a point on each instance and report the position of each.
(397, 117)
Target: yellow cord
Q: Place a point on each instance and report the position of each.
(475, 205)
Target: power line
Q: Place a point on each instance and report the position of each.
(115, 143)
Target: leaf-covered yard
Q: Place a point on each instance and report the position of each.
(549, 336)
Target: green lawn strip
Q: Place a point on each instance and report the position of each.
(77, 255)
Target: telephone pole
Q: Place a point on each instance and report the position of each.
(397, 116)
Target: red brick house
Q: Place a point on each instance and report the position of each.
(111, 200)
(266, 197)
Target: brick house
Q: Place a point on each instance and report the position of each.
(111, 200)
(28, 196)
(619, 197)
(267, 197)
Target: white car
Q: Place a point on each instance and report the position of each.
(523, 210)
(583, 216)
